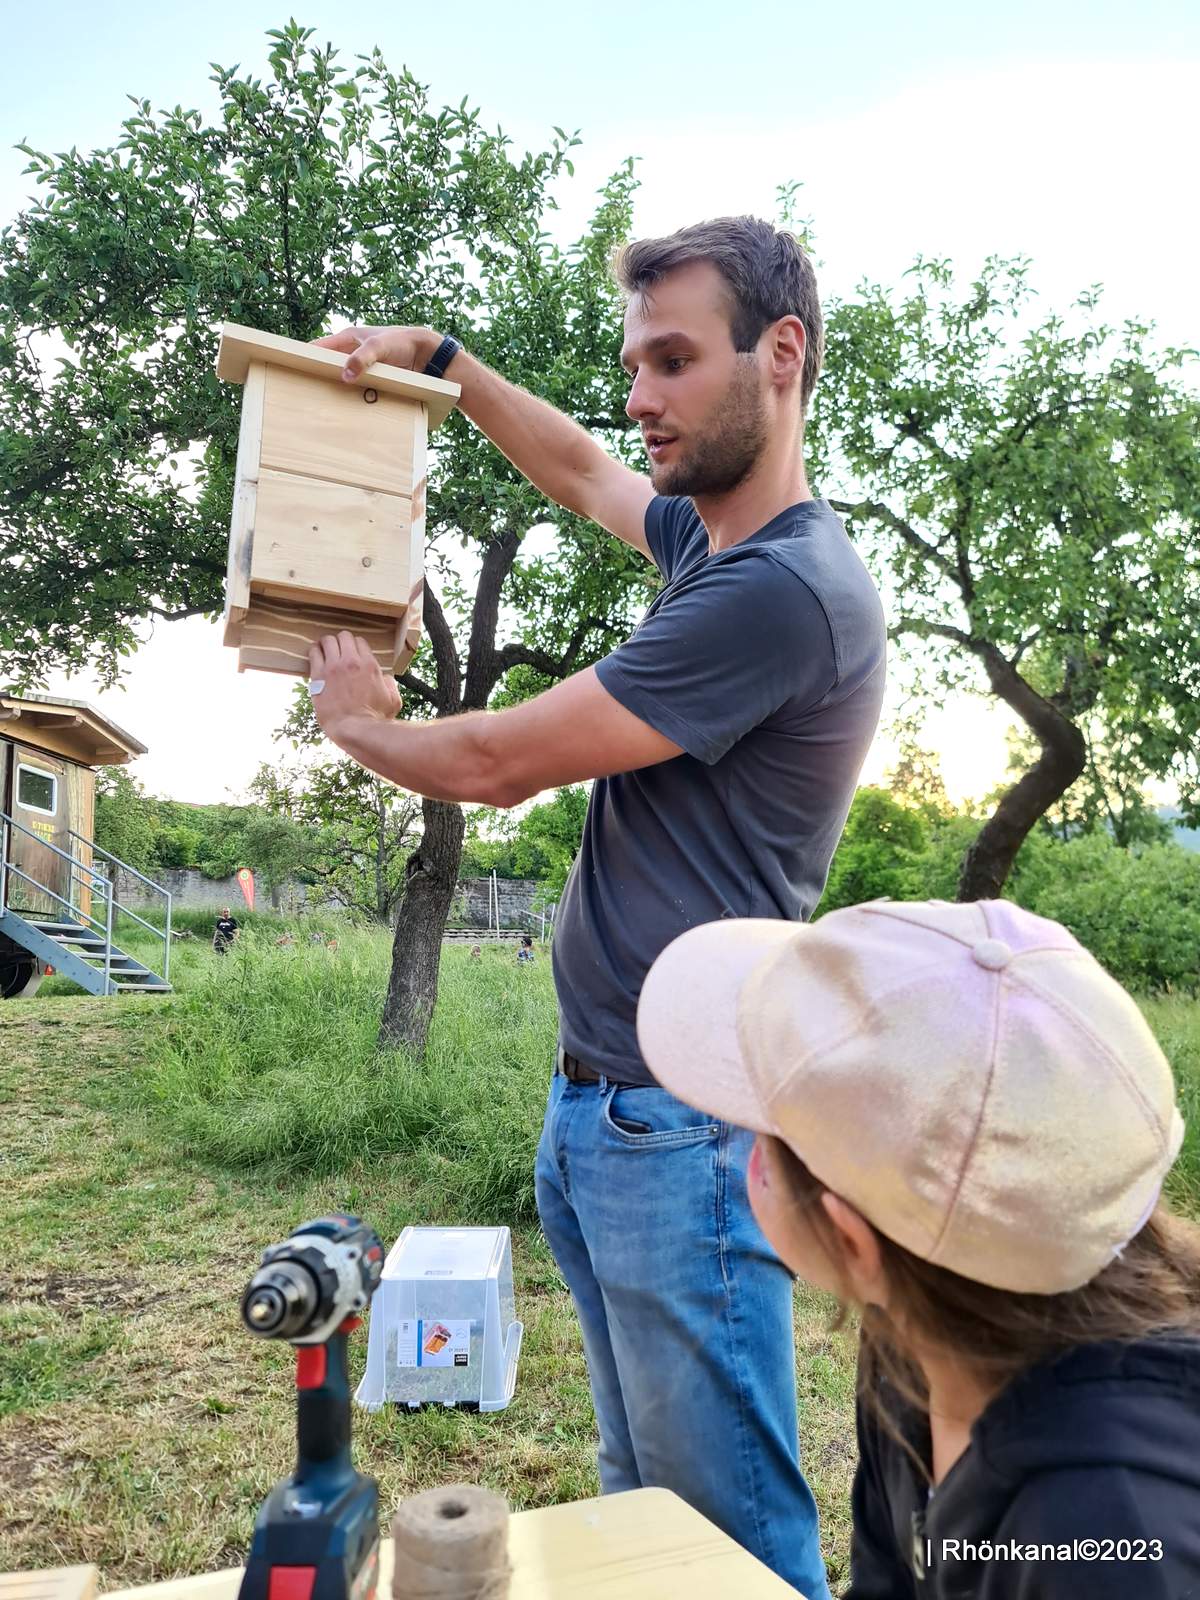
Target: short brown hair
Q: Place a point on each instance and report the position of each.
(767, 271)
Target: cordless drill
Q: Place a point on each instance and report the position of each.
(317, 1534)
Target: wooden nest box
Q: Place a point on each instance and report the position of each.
(328, 526)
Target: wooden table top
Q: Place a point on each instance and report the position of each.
(644, 1545)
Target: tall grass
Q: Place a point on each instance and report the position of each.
(269, 1061)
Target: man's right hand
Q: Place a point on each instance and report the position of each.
(396, 347)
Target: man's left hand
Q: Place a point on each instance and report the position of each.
(346, 682)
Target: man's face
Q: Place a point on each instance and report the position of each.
(700, 405)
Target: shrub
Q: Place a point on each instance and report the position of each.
(1137, 911)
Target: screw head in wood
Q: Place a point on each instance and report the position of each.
(366, 561)
(370, 396)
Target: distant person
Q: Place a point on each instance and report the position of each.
(225, 932)
(525, 953)
(476, 952)
(964, 1124)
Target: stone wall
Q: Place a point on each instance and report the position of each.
(192, 891)
(520, 904)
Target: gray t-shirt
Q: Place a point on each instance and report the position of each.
(765, 664)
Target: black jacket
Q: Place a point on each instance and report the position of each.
(1101, 1445)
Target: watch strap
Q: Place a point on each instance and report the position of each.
(442, 357)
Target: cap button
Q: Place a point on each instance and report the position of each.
(993, 954)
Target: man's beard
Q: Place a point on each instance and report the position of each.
(723, 454)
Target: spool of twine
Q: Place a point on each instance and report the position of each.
(451, 1544)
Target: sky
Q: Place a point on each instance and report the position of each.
(1060, 131)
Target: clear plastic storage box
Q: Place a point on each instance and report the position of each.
(443, 1322)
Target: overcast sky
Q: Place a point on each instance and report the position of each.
(1065, 132)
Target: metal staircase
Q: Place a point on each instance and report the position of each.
(75, 936)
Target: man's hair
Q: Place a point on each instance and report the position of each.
(766, 270)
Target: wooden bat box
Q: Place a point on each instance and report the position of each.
(328, 527)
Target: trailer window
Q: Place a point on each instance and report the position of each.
(37, 790)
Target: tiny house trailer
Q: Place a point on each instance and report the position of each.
(328, 527)
(58, 900)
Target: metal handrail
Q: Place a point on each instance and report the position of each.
(165, 933)
(54, 895)
(116, 860)
(97, 878)
(44, 888)
(96, 882)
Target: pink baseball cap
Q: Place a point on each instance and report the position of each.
(968, 1077)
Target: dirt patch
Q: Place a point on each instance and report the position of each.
(79, 1291)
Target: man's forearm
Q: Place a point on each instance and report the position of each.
(554, 453)
(454, 759)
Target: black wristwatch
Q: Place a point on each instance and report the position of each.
(442, 357)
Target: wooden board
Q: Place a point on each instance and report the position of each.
(241, 347)
(339, 547)
(406, 646)
(245, 500)
(276, 634)
(55, 1583)
(644, 1545)
(328, 430)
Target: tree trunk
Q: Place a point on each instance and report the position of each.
(430, 877)
(989, 860)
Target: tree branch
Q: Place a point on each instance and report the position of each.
(448, 699)
(517, 655)
(416, 687)
(482, 674)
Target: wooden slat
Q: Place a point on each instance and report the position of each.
(56, 1583)
(344, 547)
(329, 430)
(277, 635)
(245, 499)
(242, 347)
(409, 635)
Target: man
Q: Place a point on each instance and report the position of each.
(225, 932)
(725, 737)
(525, 952)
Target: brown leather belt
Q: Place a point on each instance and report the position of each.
(576, 1071)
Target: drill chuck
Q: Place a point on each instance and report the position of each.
(281, 1300)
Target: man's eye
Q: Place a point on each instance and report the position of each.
(677, 363)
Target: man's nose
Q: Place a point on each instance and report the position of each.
(643, 404)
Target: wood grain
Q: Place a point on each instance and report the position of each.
(642, 1545)
(328, 430)
(336, 545)
(277, 634)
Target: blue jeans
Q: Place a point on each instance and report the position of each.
(686, 1314)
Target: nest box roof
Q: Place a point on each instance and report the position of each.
(240, 346)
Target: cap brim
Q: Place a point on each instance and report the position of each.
(687, 1020)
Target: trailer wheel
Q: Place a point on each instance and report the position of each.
(20, 972)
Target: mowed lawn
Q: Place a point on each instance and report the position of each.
(151, 1149)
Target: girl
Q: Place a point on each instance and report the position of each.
(964, 1126)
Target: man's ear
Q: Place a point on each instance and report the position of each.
(787, 343)
(861, 1259)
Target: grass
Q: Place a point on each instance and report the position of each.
(151, 1149)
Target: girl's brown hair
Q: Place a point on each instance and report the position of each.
(1152, 1287)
